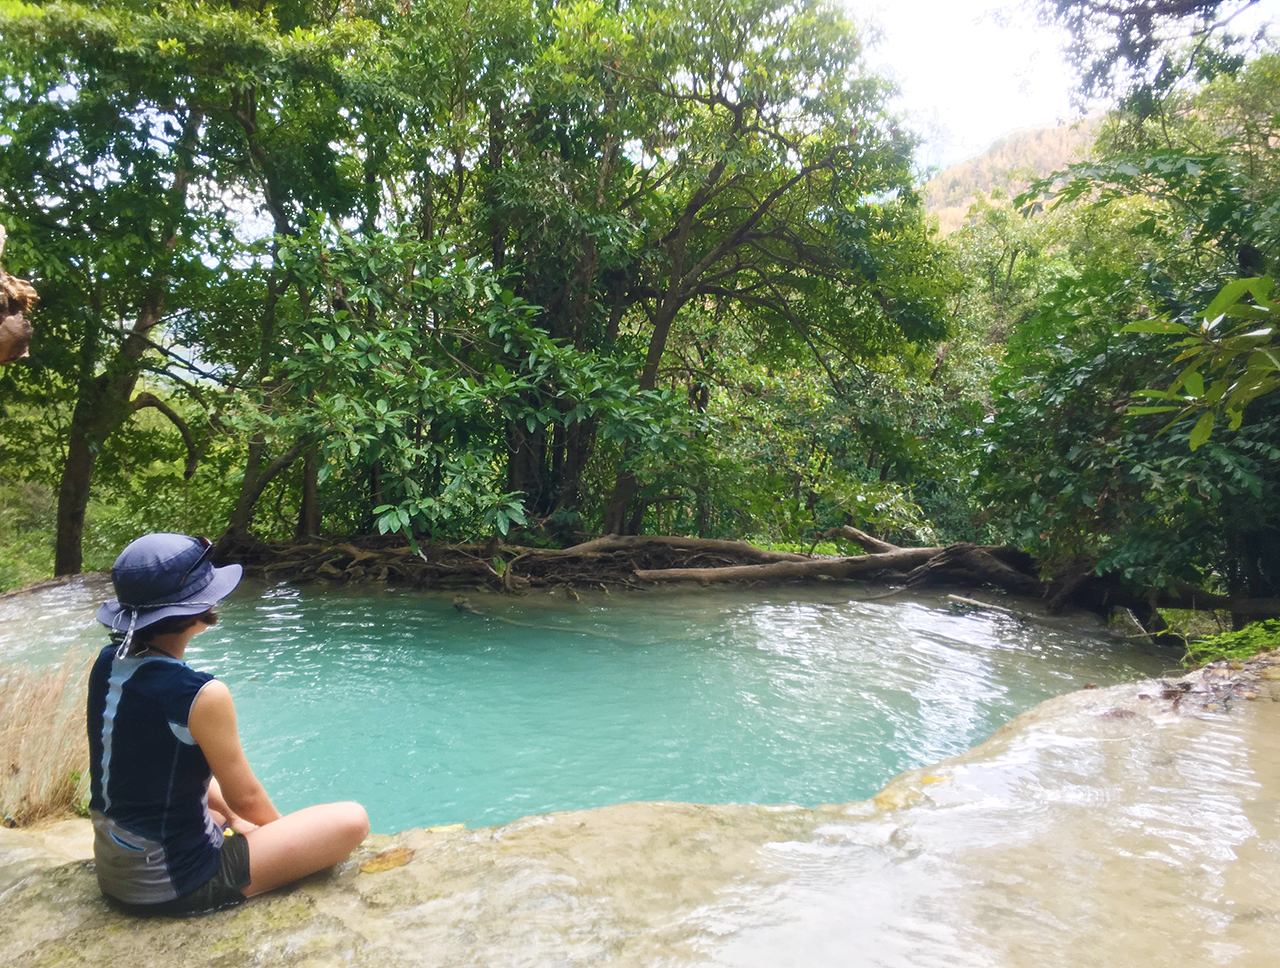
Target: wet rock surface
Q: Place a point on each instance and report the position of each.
(1220, 684)
(1137, 824)
(615, 884)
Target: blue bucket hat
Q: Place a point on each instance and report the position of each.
(161, 575)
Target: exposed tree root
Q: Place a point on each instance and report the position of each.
(613, 561)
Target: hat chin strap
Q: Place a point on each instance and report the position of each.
(122, 650)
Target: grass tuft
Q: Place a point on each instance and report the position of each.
(44, 752)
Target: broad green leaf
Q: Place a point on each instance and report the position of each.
(1242, 311)
(1201, 431)
(1264, 358)
(1155, 326)
(1217, 390)
(1233, 292)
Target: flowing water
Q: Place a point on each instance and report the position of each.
(1102, 829)
(431, 715)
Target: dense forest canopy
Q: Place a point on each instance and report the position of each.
(463, 270)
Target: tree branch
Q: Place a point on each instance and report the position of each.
(144, 400)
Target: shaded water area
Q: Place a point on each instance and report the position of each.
(519, 706)
(1115, 826)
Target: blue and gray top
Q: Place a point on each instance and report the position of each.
(154, 838)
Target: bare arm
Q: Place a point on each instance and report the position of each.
(213, 726)
(223, 813)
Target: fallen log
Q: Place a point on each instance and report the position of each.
(987, 606)
(971, 564)
(615, 542)
(894, 563)
(861, 539)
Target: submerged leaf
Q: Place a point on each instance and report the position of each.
(388, 859)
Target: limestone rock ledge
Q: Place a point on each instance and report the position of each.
(613, 884)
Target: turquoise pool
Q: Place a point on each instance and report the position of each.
(434, 716)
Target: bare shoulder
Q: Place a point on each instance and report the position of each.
(212, 705)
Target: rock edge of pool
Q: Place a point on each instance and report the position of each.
(1133, 824)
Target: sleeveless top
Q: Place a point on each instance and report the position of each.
(154, 838)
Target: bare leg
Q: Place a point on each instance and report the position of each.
(302, 843)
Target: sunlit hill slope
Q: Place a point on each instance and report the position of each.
(1011, 163)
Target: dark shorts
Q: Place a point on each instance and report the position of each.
(223, 890)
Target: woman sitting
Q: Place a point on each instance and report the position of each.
(181, 824)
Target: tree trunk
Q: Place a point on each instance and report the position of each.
(1253, 566)
(242, 513)
(309, 513)
(576, 445)
(375, 492)
(73, 498)
(616, 519)
(256, 479)
(526, 454)
(103, 406)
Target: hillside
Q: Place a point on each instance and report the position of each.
(1010, 164)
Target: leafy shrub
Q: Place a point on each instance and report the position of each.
(26, 536)
(1244, 644)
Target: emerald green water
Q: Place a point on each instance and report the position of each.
(433, 716)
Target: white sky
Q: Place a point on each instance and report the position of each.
(974, 70)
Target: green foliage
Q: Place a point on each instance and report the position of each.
(1131, 48)
(485, 264)
(26, 553)
(1083, 465)
(1075, 476)
(788, 455)
(538, 204)
(1229, 366)
(141, 487)
(1242, 644)
(423, 370)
